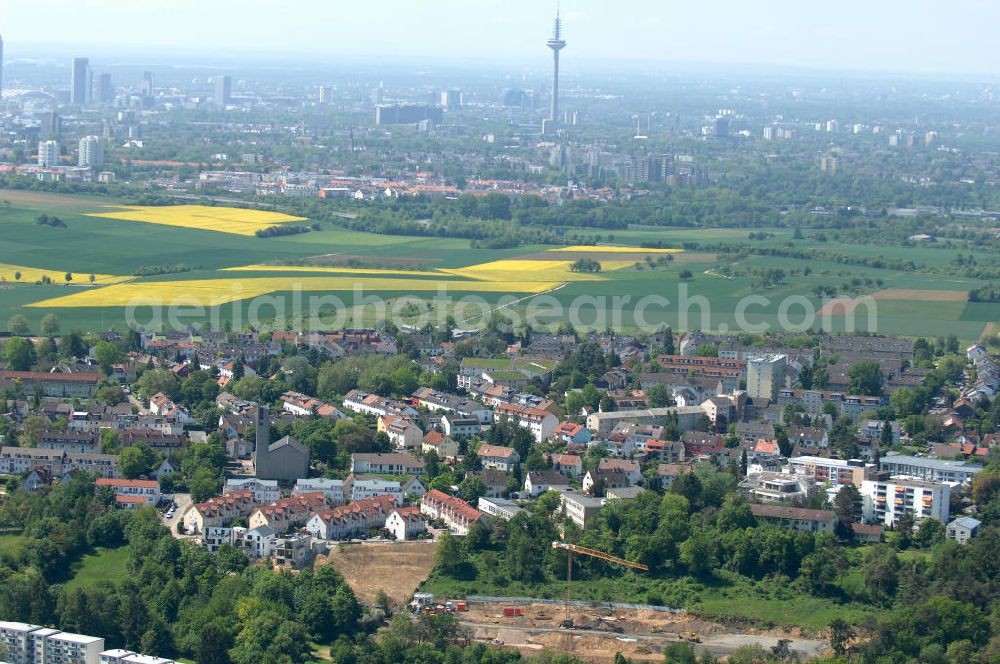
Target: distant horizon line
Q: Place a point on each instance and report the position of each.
(46, 51)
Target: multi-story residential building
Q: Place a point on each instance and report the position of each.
(219, 511)
(356, 518)
(387, 464)
(101, 465)
(441, 402)
(405, 523)
(302, 405)
(812, 401)
(567, 464)
(402, 432)
(34, 644)
(930, 470)
(728, 371)
(540, 422)
(444, 446)
(91, 152)
(631, 468)
(60, 385)
(457, 514)
(498, 507)
(885, 501)
(571, 433)
(70, 440)
(606, 479)
(132, 493)
(332, 489)
(836, 472)
(781, 488)
(499, 457)
(287, 513)
(264, 491)
(48, 154)
(373, 404)
(962, 529)
(601, 423)
(797, 518)
(538, 482)
(582, 510)
(20, 460)
(360, 487)
(766, 376)
(460, 427)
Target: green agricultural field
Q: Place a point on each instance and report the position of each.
(105, 246)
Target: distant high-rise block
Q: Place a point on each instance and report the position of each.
(48, 154)
(828, 164)
(80, 85)
(146, 87)
(91, 152)
(389, 114)
(765, 376)
(105, 90)
(451, 99)
(223, 90)
(1, 64)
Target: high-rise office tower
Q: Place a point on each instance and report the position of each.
(146, 89)
(48, 154)
(80, 86)
(223, 90)
(105, 90)
(557, 43)
(91, 152)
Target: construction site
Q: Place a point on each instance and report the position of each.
(599, 632)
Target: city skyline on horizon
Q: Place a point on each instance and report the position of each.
(776, 33)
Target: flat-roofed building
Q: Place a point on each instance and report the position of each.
(931, 470)
(833, 471)
(885, 501)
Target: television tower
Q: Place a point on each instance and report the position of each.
(557, 43)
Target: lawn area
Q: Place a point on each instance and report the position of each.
(10, 545)
(99, 568)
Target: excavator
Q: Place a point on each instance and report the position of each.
(570, 549)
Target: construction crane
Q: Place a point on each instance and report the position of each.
(570, 549)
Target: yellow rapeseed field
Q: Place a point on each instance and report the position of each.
(237, 221)
(514, 269)
(212, 292)
(30, 275)
(623, 250)
(331, 270)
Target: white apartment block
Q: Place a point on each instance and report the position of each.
(33, 644)
(884, 502)
(930, 470)
(264, 491)
(835, 472)
(332, 489)
(765, 376)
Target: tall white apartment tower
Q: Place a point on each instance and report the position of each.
(765, 376)
(48, 154)
(91, 152)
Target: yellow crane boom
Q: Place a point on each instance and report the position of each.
(594, 553)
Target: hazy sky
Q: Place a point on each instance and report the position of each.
(895, 35)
